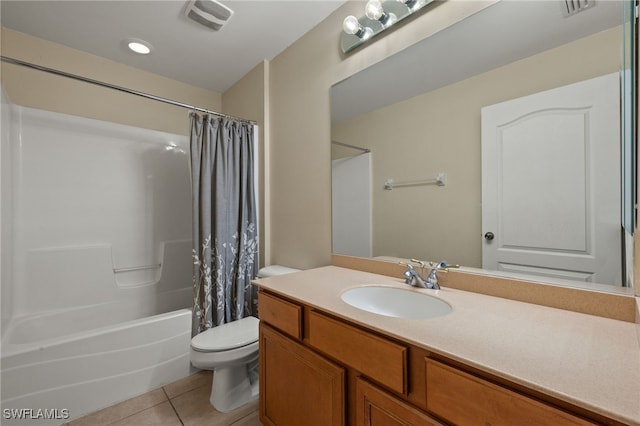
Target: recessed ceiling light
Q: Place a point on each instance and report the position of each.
(139, 46)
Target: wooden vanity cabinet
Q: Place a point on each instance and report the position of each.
(316, 369)
(298, 386)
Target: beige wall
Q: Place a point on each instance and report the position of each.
(247, 98)
(45, 91)
(439, 131)
(300, 149)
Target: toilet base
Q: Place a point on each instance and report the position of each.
(234, 387)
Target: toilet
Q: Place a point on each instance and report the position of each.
(231, 350)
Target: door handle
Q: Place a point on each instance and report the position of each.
(489, 236)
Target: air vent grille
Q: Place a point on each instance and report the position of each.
(571, 7)
(209, 13)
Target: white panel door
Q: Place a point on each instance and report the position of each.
(551, 183)
(351, 205)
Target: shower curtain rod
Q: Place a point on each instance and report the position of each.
(119, 88)
(365, 150)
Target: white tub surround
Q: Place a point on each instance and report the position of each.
(584, 360)
(96, 268)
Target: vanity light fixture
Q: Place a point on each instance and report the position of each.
(352, 26)
(414, 4)
(408, 3)
(379, 15)
(138, 46)
(374, 10)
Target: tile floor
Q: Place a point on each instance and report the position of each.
(182, 403)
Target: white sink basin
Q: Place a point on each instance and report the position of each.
(395, 302)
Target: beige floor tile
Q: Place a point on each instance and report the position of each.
(194, 409)
(122, 410)
(252, 419)
(194, 381)
(160, 415)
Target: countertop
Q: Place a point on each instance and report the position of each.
(586, 360)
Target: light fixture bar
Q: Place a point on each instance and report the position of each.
(378, 17)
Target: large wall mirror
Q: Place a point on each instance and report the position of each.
(504, 142)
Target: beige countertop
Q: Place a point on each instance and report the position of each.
(586, 360)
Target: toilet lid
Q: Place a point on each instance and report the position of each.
(227, 336)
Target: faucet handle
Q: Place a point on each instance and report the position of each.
(410, 274)
(411, 277)
(421, 263)
(442, 266)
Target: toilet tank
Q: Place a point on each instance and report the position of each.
(273, 270)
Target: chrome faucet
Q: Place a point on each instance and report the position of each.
(411, 277)
(431, 282)
(432, 279)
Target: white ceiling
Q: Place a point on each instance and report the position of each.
(183, 49)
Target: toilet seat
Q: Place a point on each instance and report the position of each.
(227, 336)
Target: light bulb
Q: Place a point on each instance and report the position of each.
(374, 10)
(350, 25)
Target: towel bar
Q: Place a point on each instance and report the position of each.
(440, 180)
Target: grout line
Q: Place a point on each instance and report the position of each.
(172, 406)
(136, 413)
(242, 418)
(112, 407)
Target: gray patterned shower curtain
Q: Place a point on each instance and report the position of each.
(225, 225)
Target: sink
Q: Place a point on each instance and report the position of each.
(395, 302)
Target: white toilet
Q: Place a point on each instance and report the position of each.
(231, 350)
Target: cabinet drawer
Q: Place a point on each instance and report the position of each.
(379, 359)
(375, 407)
(461, 398)
(281, 314)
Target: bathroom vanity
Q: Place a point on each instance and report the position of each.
(489, 361)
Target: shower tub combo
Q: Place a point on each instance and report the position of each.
(96, 264)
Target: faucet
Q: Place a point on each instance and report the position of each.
(432, 279)
(411, 277)
(431, 282)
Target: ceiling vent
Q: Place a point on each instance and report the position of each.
(571, 7)
(209, 13)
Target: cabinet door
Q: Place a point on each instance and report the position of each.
(463, 399)
(297, 386)
(375, 407)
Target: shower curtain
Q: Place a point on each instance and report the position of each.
(225, 228)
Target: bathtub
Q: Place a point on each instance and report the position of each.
(65, 377)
